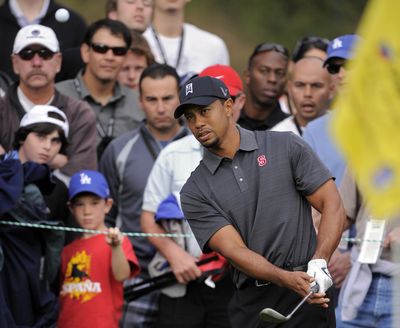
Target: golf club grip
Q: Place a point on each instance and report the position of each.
(147, 286)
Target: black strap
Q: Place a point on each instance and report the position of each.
(161, 48)
(152, 151)
(298, 126)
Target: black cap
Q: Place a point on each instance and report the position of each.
(201, 91)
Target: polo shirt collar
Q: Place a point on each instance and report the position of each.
(247, 143)
(118, 93)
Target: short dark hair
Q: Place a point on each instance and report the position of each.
(158, 71)
(307, 43)
(42, 128)
(115, 27)
(140, 47)
(268, 46)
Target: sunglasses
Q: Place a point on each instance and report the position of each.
(28, 53)
(102, 49)
(270, 47)
(334, 68)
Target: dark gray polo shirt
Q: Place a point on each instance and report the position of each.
(261, 192)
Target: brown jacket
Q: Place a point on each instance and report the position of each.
(81, 149)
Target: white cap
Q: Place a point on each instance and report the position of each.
(40, 114)
(36, 34)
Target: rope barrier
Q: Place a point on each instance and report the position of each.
(80, 230)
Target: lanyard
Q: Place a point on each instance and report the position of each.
(297, 126)
(161, 48)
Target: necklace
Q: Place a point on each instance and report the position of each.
(161, 48)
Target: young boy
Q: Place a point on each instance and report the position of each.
(31, 256)
(94, 267)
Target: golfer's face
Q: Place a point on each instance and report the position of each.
(209, 124)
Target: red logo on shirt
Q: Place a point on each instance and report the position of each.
(262, 160)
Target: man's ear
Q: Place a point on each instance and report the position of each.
(85, 52)
(228, 105)
(109, 203)
(112, 15)
(246, 77)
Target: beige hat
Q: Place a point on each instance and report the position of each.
(36, 34)
(42, 114)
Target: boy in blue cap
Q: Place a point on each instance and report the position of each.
(94, 267)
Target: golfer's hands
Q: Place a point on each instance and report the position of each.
(318, 269)
(184, 266)
(300, 282)
(114, 237)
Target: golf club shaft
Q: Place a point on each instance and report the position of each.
(301, 303)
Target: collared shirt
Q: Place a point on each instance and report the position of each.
(262, 193)
(123, 106)
(273, 118)
(19, 15)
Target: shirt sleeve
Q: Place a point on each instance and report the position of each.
(131, 256)
(203, 215)
(308, 170)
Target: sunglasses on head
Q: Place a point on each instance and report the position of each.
(307, 43)
(334, 68)
(102, 49)
(28, 53)
(270, 47)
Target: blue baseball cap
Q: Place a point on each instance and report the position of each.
(341, 47)
(201, 90)
(88, 181)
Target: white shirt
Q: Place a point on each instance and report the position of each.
(200, 49)
(287, 125)
(170, 172)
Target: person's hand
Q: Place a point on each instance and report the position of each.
(113, 237)
(301, 283)
(58, 161)
(339, 266)
(392, 238)
(184, 266)
(318, 269)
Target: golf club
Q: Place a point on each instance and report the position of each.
(270, 315)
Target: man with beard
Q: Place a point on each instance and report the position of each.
(265, 80)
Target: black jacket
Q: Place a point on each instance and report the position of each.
(70, 35)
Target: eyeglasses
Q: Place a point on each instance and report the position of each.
(307, 43)
(270, 47)
(28, 53)
(334, 68)
(103, 49)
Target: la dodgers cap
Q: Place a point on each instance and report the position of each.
(201, 90)
(36, 34)
(228, 75)
(43, 114)
(341, 47)
(88, 181)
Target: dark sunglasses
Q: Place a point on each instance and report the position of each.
(28, 53)
(102, 49)
(270, 47)
(308, 43)
(334, 68)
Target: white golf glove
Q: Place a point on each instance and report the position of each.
(319, 270)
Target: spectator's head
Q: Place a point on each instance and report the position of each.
(159, 96)
(233, 82)
(139, 57)
(340, 50)
(89, 199)
(170, 6)
(42, 134)
(104, 49)
(310, 46)
(266, 74)
(208, 109)
(36, 58)
(135, 14)
(310, 88)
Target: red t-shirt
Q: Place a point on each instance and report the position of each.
(90, 296)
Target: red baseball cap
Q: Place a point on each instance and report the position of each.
(228, 75)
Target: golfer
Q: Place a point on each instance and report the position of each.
(250, 199)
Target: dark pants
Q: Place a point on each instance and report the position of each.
(247, 303)
(201, 307)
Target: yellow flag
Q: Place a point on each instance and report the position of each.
(366, 119)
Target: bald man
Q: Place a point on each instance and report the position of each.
(311, 89)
